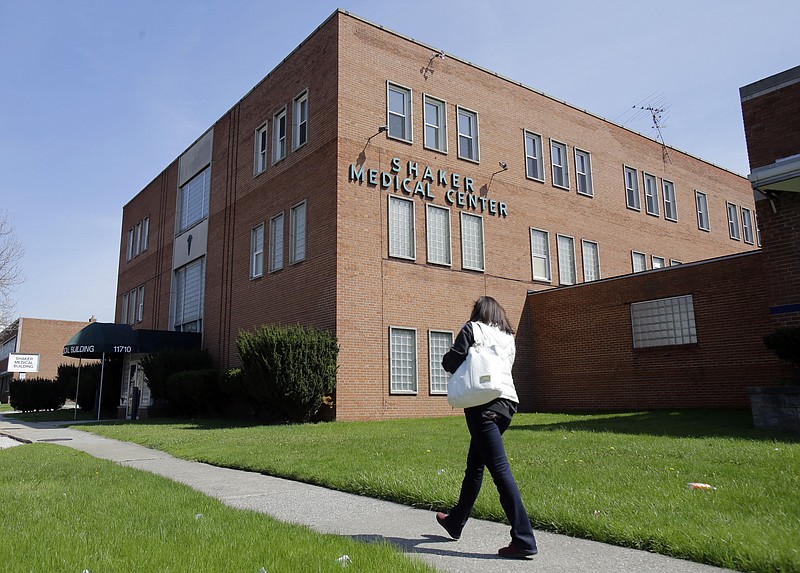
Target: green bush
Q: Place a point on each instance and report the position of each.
(36, 394)
(196, 392)
(287, 371)
(67, 375)
(785, 342)
(159, 366)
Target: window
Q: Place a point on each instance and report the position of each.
(638, 262)
(472, 242)
(540, 255)
(132, 306)
(129, 248)
(300, 121)
(260, 163)
(189, 297)
(140, 306)
(137, 239)
(276, 243)
(702, 210)
(632, 189)
(670, 206)
(297, 233)
(758, 230)
(194, 200)
(651, 194)
(439, 251)
(663, 322)
(733, 221)
(468, 135)
(399, 105)
(279, 136)
(566, 260)
(438, 344)
(533, 156)
(558, 158)
(674, 263)
(435, 124)
(257, 251)
(747, 226)
(403, 360)
(145, 233)
(124, 309)
(402, 243)
(658, 262)
(583, 172)
(591, 261)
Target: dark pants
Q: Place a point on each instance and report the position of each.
(486, 450)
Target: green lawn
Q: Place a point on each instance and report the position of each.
(5, 408)
(62, 415)
(64, 510)
(618, 478)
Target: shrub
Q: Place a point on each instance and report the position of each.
(35, 394)
(785, 342)
(159, 366)
(67, 375)
(287, 371)
(195, 391)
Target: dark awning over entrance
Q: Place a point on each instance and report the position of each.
(99, 338)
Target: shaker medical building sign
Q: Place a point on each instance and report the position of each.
(23, 362)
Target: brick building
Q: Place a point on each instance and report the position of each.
(35, 336)
(374, 186)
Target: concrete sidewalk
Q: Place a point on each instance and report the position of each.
(414, 531)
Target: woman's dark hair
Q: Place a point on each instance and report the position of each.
(488, 311)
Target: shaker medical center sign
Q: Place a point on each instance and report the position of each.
(23, 362)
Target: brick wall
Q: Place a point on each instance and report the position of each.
(583, 348)
(771, 125)
(47, 338)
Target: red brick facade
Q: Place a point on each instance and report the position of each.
(347, 281)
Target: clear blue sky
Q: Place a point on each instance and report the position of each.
(98, 96)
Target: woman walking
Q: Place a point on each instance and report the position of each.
(488, 325)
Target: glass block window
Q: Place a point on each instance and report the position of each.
(193, 206)
(632, 199)
(399, 111)
(439, 248)
(472, 242)
(663, 322)
(402, 242)
(670, 205)
(533, 156)
(468, 135)
(435, 124)
(438, 344)
(567, 275)
(403, 360)
(733, 221)
(583, 172)
(658, 262)
(540, 255)
(638, 262)
(591, 261)
(297, 233)
(651, 194)
(276, 243)
(257, 251)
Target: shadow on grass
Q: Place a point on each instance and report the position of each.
(670, 423)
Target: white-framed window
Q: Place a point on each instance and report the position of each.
(403, 360)
(137, 239)
(638, 262)
(675, 262)
(260, 149)
(435, 124)
(657, 262)
(540, 255)
(733, 221)
(297, 233)
(257, 251)
(439, 342)
(193, 206)
(124, 309)
(439, 245)
(276, 243)
(402, 233)
(632, 199)
(145, 233)
(583, 172)
(132, 306)
(670, 204)
(663, 322)
(189, 287)
(468, 145)
(140, 304)
(567, 275)
(399, 111)
(300, 120)
(758, 229)
(591, 260)
(747, 226)
(279, 136)
(129, 248)
(651, 194)
(558, 160)
(533, 156)
(472, 255)
(701, 201)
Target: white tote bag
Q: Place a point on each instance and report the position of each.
(478, 380)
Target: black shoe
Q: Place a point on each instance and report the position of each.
(514, 552)
(441, 518)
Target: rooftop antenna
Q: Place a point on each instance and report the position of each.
(428, 70)
(657, 113)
